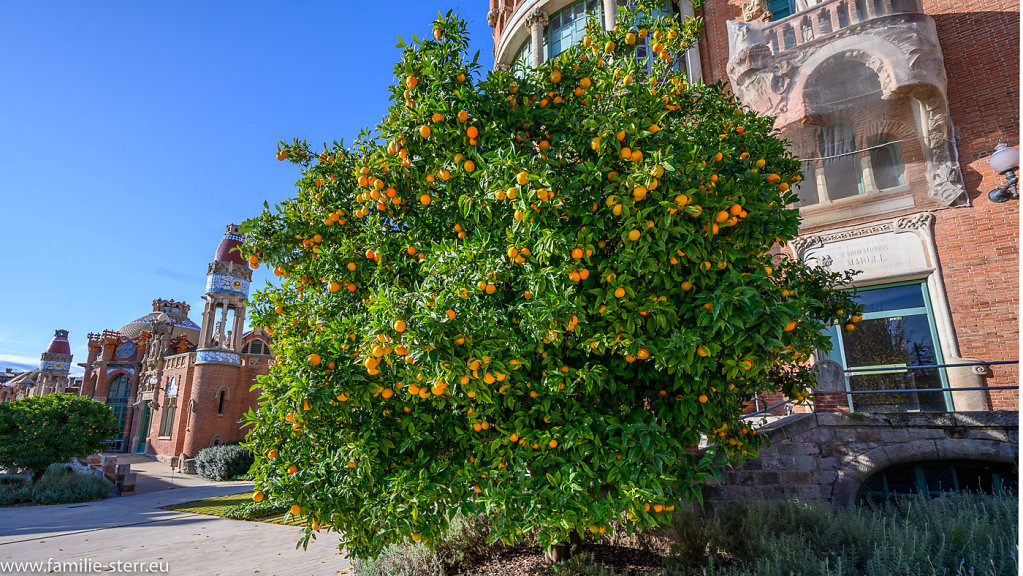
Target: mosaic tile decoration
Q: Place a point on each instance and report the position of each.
(237, 237)
(225, 356)
(226, 283)
(55, 365)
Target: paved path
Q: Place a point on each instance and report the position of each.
(136, 529)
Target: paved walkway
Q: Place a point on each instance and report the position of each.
(136, 529)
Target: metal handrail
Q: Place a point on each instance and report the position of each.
(931, 366)
(903, 391)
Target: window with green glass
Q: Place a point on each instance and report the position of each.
(896, 334)
(936, 478)
(523, 58)
(117, 400)
(781, 8)
(568, 25)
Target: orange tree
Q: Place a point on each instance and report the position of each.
(529, 296)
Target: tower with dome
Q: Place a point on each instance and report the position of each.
(50, 378)
(176, 386)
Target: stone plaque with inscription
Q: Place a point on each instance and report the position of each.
(875, 256)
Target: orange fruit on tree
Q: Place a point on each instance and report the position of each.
(258, 496)
(314, 359)
(424, 131)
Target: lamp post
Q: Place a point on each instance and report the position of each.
(1005, 161)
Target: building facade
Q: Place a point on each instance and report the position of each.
(51, 377)
(175, 386)
(894, 108)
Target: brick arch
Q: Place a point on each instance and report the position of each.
(217, 440)
(226, 390)
(862, 467)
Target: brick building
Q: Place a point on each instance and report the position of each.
(50, 378)
(894, 108)
(175, 386)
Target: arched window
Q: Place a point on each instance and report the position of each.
(256, 347)
(220, 406)
(886, 163)
(935, 478)
(568, 26)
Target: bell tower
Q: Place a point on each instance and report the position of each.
(54, 366)
(220, 382)
(227, 288)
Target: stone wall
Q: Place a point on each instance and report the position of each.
(828, 456)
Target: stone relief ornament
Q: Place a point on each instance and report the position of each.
(755, 10)
(492, 17)
(537, 16)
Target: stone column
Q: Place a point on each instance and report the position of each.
(208, 322)
(239, 327)
(694, 68)
(537, 21)
(221, 328)
(830, 394)
(610, 7)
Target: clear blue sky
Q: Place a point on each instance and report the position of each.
(131, 133)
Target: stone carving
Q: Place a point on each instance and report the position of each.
(921, 221)
(755, 10)
(501, 67)
(537, 16)
(943, 175)
(492, 17)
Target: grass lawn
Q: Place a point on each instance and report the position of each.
(217, 505)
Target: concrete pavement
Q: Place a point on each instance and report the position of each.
(136, 529)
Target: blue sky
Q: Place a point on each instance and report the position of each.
(131, 133)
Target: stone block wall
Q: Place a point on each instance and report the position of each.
(828, 456)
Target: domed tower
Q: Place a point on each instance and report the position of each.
(54, 366)
(218, 381)
(227, 288)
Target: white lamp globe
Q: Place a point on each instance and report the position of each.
(1004, 158)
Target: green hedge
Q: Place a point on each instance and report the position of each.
(256, 510)
(223, 462)
(59, 485)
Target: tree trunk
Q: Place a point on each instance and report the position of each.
(562, 552)
(37, 475)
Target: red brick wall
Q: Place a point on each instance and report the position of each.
(979, 246)
(170, 447)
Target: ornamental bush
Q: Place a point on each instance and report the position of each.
(529, 296)
(223, 462)
(41, 430)
(58, 485)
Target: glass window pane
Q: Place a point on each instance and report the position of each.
(806, 189)
(840, 161)
(887, 166)
(892, 298)
(901, 480)
(897, 342)
(939, 477)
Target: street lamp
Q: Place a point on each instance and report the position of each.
(1005, 161)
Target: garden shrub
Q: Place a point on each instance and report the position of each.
(66, 487)
(255, 510)
(59, 485)
(223, 462)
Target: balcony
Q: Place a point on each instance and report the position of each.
(862, 62)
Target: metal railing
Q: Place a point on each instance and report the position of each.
(902, 390)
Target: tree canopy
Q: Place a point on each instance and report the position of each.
(42, 430)
(530, 295)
